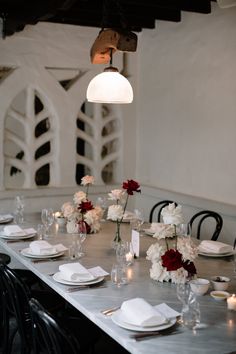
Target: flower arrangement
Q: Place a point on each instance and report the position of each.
(116, 211)
(81, 213)
(173, 254)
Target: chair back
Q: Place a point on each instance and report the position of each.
(15, 303)
(49, 335)
(201, 216)
(157, 208)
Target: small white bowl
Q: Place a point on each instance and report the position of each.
(219, 295)
(199, 286)
(220, 283)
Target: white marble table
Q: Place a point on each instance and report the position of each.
(218, 332)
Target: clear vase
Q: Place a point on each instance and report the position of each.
(117, 239)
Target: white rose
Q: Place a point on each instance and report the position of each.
(187, 248)
(115, 212)
(79, 197)
(154, 252)
(116, 194)
(87, 180)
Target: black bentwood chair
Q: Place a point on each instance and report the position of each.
(201, 217)
(157, 208)
(50, 336)
(15, 310)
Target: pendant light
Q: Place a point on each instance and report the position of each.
(110, 87)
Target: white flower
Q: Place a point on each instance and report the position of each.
(87, 180)
(172, 214)
(115, 212)
(179, 276)
(154, 252)
(165, 231)
(187, 248)
(116, 194)
(68, 209)
(79, 197)
(157, 272)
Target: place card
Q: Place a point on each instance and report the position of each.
(135, 242)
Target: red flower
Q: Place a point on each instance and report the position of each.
(131, 186)
(85, 206)
(172, 260)
(190, 267)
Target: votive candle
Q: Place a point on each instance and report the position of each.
(231, 302)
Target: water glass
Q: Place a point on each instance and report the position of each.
(40, 231)
(190, 314)
(183, 230)
(47, 217)
(137, 220)
(119, 274)
(19, 203)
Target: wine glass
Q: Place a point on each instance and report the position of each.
(47, 217)
(103, 203)
(137, 220)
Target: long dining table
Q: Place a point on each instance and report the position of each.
(216, 332)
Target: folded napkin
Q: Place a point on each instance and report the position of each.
(157, 226)
(43, 248)
(214, 247)
(5, 217)
(75, 272)
(140, 313)
(15, 230)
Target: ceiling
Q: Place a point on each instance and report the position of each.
(133, 15)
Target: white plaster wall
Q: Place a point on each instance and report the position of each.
(186, 139)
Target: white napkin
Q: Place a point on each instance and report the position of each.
(75, 272)
(5, 217)
(43, 247)
(15, 230)
(140, 313)
(214, 247)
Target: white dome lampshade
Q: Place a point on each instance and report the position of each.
(110, 87)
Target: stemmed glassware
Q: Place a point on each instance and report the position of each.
(47, 217)
(103, 203)
(19, 209)
(190, 314)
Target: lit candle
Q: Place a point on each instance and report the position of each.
(231, 302)
(129, 257)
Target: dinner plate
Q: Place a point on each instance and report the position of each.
(27, 253)
(216, 255)
(16, 237)
(58, 277)
(117, 318)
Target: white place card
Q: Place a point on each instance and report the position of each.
(135, 242)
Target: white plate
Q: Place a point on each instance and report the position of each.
(117, 319)
(6, 221)
(26, 252)
(58, 277)
(215, 255)
(16, 237)
(149, 232)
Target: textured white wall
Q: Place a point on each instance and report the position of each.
(187, 106)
